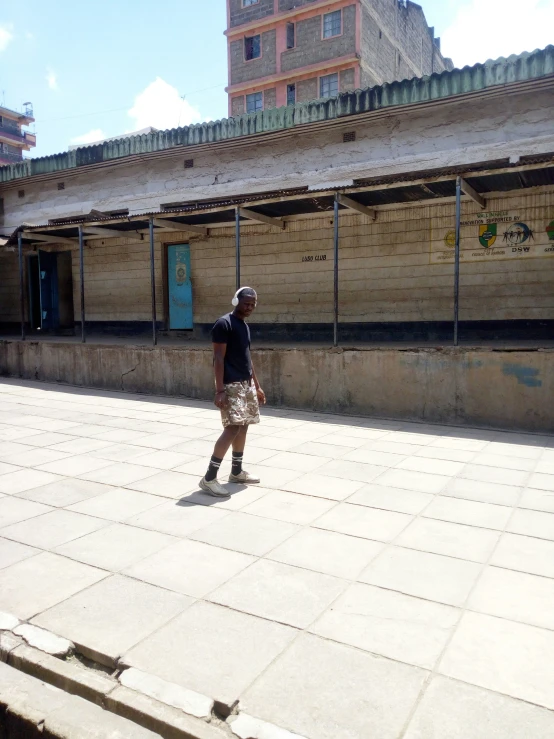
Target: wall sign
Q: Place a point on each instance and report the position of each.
(491, 236)
(316, 258)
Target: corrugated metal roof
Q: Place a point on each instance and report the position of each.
(514, 69)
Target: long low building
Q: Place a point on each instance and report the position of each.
(420, 211)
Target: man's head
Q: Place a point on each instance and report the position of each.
(245, 302)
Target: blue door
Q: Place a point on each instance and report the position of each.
(48, 280)
(179, 286)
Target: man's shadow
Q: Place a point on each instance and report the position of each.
(199, 497)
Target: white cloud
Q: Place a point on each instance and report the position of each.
(90, 137)
(51, 79)
(160, 105)
(6, 35)
(29, 36)
(488, 29)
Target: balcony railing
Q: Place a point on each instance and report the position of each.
(18, 137)
(6, 158)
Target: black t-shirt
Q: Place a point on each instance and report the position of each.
(235, 333)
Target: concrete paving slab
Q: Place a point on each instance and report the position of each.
(75, 465)
(373, 456)
(321, 486)
(430, 576)
(454, 710)
(431, 466)
(505, 462)
(529, 523)
(190, 567)
(289, 507)
(246, 533)
(172, 694)
(168, 484)
(293, 461)
(279, 592)
(508, 657)
(323, 690)
(323, 449)
(119, 452)
(537, 500)
(117, 504)
(5, 468)
(177, 519)
(212, 650)
(498, 475)
(18, 482)
(37, 583)
(327, 552)
(368, 523)
(165, 460)
(472, 513)
(13, 510)
(80, 445)
(516, 596)
(115, 547)
(110, 617)
(436, 452)
(119, 474)
(484, 492)
(410, 480)
(36, 458)
(391, 499)
(52, 529)
(12, 552)
(452, 539)
(44, 640)
(388, 623)
(358, 471)
(526, 554)
(64, 492)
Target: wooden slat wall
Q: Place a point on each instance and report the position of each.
(385, 271)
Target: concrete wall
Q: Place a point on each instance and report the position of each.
(311, 48)
(513, 390)
(246, 71)
(399, 141)
(239, 15)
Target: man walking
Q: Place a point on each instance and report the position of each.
(237, 391)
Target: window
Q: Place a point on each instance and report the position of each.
(252, 47)
(329, 86)
(291, 94)
(291, 35)
(254, 102)
(332, 24)
(246, 3)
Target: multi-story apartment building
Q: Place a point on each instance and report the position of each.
(286, 51)
(14, 141)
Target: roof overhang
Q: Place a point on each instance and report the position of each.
(275, 208)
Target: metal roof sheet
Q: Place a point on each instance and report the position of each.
(503, 71)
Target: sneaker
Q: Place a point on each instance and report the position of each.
(213, 488)
(244, 477)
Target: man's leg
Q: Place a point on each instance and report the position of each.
(239, 443)
(209, 482)
(220, 450)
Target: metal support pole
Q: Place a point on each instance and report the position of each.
(21, 290)
(237, 241)
(457, 258)
(336, 273)
(82, 283)
(153, 282)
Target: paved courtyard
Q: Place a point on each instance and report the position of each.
(387, 579)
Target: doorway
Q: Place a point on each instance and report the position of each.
(50, 288)
(179, 287)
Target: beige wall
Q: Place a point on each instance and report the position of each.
(386, 271)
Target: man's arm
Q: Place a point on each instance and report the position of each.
(219, 369)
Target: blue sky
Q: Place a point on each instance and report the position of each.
(101, 69)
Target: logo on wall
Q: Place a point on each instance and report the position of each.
(487, 234)
(518, 233)
(550, 230)
(450, 239)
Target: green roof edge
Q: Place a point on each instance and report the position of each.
(503, 71)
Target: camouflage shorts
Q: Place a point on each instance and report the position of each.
(242, 406)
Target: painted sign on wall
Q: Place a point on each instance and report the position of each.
(490, 236)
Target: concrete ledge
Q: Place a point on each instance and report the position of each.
(462, 386)
(248, 727)
(168, 721)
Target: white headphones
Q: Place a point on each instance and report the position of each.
(235, 300)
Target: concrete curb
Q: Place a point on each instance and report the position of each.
(155, 707)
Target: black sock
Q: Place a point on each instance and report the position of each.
(236, 469)
(213, 469)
